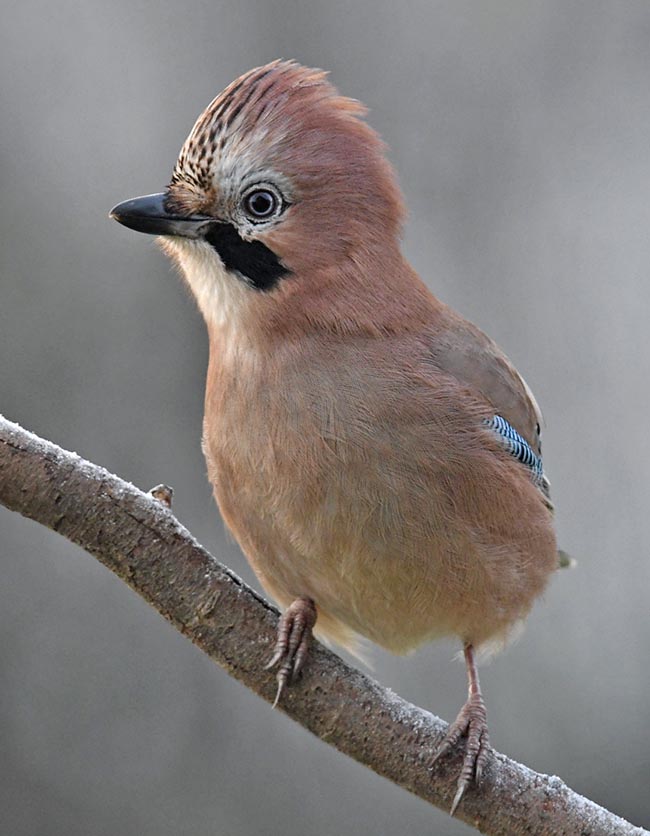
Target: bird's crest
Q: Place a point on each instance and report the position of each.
(264, 103)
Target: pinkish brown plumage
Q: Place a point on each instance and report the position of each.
(350, 428)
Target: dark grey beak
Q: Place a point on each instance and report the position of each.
(149, 214)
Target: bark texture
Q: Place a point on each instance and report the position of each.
(138, 538)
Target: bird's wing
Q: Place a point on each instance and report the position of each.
(461, 349)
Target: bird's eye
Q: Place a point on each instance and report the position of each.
(261, 203)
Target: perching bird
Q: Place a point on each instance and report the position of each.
(376, 456)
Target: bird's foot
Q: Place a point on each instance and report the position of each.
(292, 645)
(471, 722)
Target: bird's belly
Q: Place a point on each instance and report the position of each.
(383, 567)
(358, 589)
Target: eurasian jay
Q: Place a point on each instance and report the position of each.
(376, 456)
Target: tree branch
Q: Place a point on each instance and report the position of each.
(138, 538)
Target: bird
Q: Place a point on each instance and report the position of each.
(376, 456)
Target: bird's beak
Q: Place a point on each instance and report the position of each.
(149, 214)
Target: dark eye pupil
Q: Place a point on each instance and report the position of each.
(261, 204)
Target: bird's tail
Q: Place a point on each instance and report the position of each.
(565, 561)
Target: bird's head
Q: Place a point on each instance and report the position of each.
(280, 185)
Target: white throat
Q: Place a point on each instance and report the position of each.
(222, 297)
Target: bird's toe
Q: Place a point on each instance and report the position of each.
(471, 723)
(293, 641)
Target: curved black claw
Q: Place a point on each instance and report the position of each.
(471, 722)
(292, 645)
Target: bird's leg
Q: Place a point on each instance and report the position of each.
(292, 645)
(471, 721)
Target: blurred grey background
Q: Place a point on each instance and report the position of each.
(521, 133)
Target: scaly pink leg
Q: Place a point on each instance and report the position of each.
(292, 645)
(472, 722)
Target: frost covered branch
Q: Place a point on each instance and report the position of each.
(138, 538)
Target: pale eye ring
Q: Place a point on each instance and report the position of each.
(261, 203)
